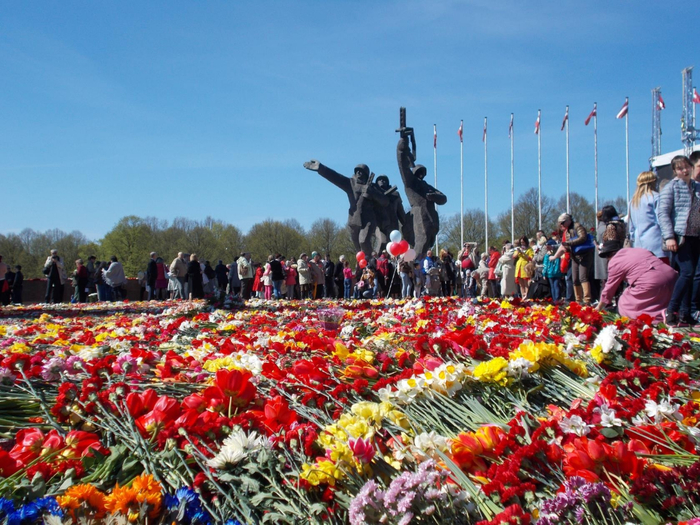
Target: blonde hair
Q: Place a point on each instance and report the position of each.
(646, 185)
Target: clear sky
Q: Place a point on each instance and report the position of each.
(186, 108)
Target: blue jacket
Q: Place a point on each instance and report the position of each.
(674, 207)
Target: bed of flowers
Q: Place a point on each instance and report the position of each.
(437, 410)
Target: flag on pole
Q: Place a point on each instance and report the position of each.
(510, 127)
(566, 117)
(623, 110)
(661, 103)
(483, 137)
(460, 130)
(696, 97)
(434, 136)
(593, 114)
(537, 125)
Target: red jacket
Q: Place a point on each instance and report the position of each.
(493, 261)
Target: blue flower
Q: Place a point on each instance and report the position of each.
(6, 507)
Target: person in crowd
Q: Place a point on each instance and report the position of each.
(381, 274)
(277, 274)
(104, 291)
(208, 278)
(4, 284)
(161, 279)
(305, 277)
(418, 280)
(267, 278)
(328, 274)
(694, 159)
(258, 286)
(17, 284)
(406, 273)
(115, 278)
(645, 231)
(447, 273)
(178, 268)
(142, 280)
(494, 256)
(523, 256)
(551, 270)
(428, 265)
(221, 276)
(56, 277)
(339, 278)
(151, 276)
(194, 272)
(483, 271)
(92, 269)
(316, 267)
(581, 247)
(80, 278)
(679, 218)
(245, 275)
(365, 285)
(347, 280)
(290, 279)
(507, 265)
(650, 281)
(234, 282)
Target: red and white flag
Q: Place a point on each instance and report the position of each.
(483, 137)
(696, 97)
(460, 130)
(434, 136)
(566, 117)
(594, 113)
(510, 127)
(537, 125)
(661, 103)
(623, 110)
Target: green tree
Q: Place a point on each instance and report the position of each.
(131, 241)
(271, 236)
(526, 216)
(474, 231)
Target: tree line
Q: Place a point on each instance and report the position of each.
(133, 238)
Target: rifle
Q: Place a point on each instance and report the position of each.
(406, 130)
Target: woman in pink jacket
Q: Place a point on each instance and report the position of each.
(650, 281)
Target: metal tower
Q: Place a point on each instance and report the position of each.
(655, 123)
(688, 132)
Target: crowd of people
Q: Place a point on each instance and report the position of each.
(646, 262)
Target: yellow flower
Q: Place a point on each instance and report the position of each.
(367, 410)
(213, 365)
(506, 305)
(598, 354)
(19, 348)
(494, 371)
(324, 471)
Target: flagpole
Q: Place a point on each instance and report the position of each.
(461, 185)
(627, 151)
(486, 189)
(435, 171)
(539, 170)
(512, 183)
(568, 201)
(595, 154)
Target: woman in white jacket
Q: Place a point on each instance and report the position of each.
(507, 264)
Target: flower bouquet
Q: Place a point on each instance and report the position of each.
(330, 318)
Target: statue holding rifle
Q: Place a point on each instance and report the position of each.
(421, 196)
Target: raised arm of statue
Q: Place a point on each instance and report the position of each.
(330, 175)
(406, 161)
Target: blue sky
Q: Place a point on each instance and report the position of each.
(193, 109)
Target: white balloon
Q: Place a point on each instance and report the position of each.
(395, 236)
(410, 255)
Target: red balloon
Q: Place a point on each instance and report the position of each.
(402, 246)
(391, 248)
(362, 263)
(360, 256)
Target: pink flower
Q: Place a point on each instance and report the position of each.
(362, 449)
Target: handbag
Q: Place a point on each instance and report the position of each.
(564, 263)
(588, 245)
